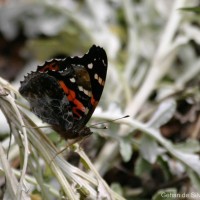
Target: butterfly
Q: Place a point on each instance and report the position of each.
(65, 92)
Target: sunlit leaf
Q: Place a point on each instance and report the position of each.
(163, 114)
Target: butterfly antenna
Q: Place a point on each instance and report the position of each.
(105, 122)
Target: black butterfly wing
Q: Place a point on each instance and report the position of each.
(65, 93)
(47, 99)
(94, 65)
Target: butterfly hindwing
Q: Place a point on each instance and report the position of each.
(47, 100)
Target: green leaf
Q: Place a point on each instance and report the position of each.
(142, 166)
(195, 179)
(168, 194)
(191, 9)
(149, 149)
(190, 146)
(117, 188)
(189, 159)
(125, 149)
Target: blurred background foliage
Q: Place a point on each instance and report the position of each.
(153, 76)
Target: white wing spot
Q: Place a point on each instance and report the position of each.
(104, 62)
(72, 80)
(100, 80)
(80, 88)
(90, 66)
(86, 92)
(89, 93)
(96, 76)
